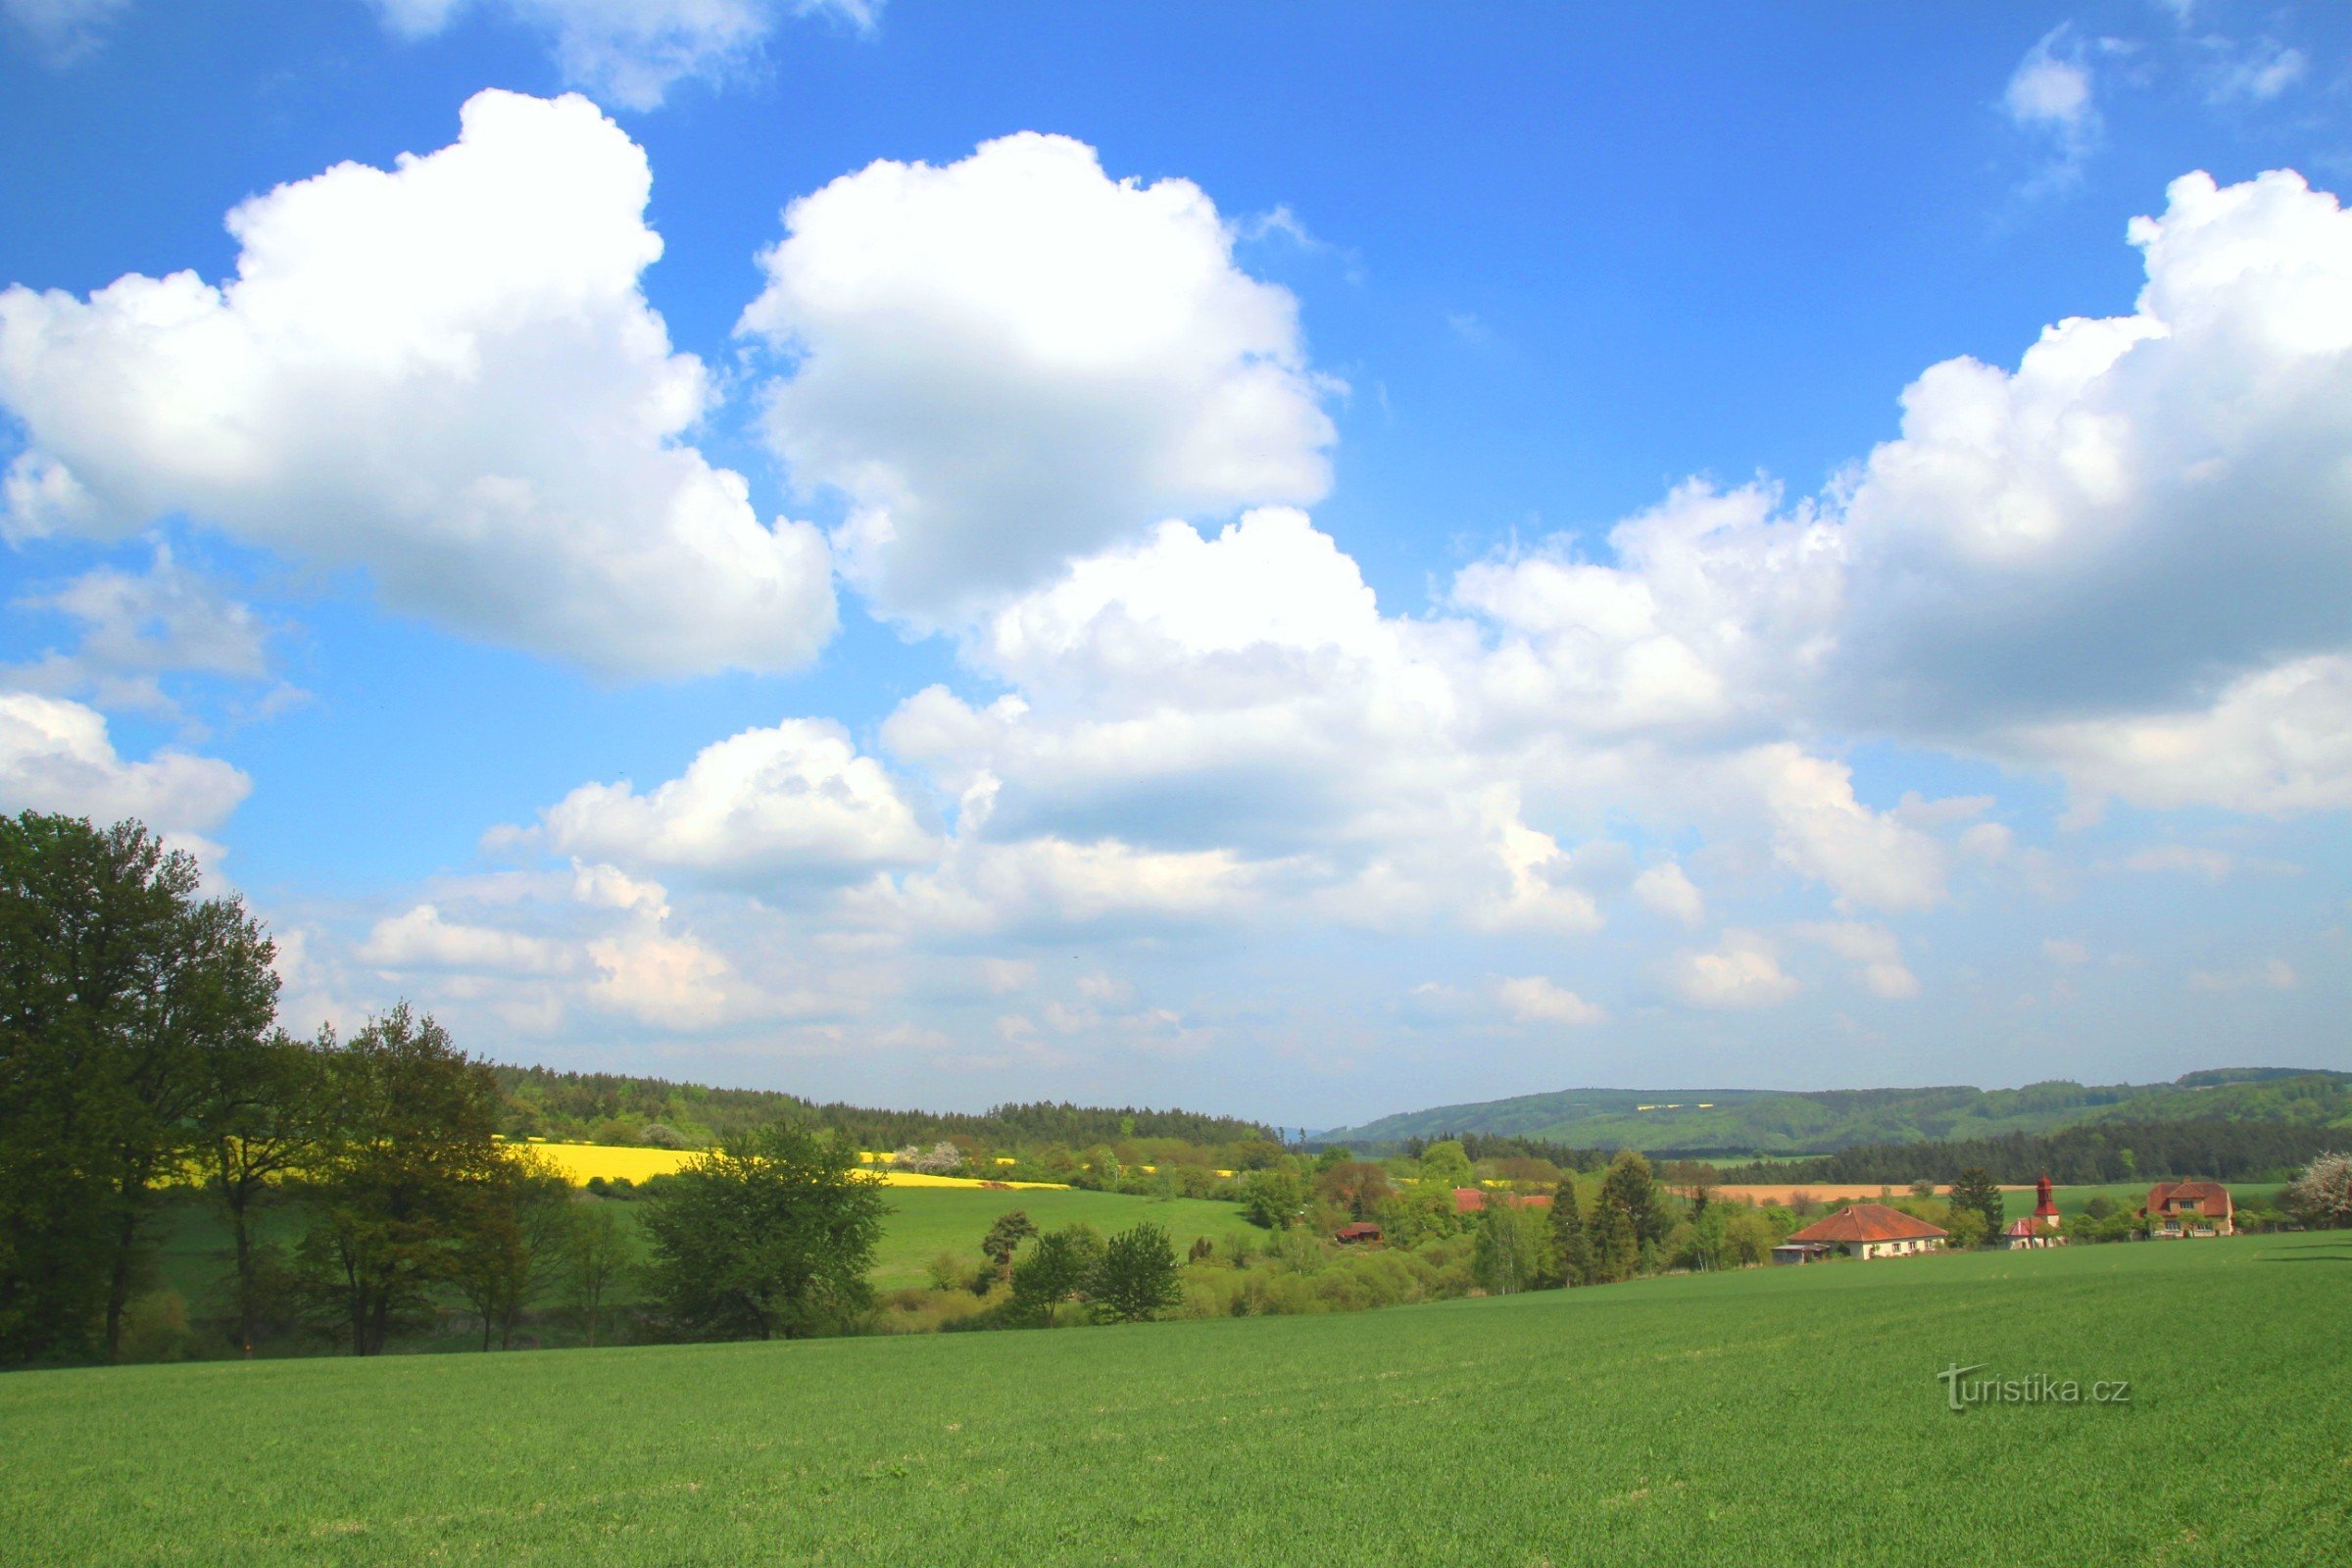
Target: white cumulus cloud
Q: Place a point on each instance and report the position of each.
(1744, 971)
(446, 374)
(55, 756)
(1008, 360)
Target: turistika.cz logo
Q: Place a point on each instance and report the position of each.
(2034, 1388)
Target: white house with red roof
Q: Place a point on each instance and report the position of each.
(1866, 1230)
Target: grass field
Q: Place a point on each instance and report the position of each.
(1758, 1418)
(924, 1222)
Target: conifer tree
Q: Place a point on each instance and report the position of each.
(1571, 1251)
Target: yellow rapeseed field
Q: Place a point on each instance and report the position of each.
(578, 1162)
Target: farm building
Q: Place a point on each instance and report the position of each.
(1866, 1230)
(2189, 1209)
(1361, 1231)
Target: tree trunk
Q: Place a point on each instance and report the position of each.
(117, 1288)
(237, 1198)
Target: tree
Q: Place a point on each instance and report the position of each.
(1747, 1237)
(1273, 1198)
(1571, 1251)
(1509, 1249)
(1358, 1186)
(1004, 1237)
(115, 981)
(2320, 1196)
(1629, 1185)
(1977, 1191)
(509, 1241)
(769, 1237)
(1057, 1267)
(1614, 1242)
(596, 1255)
(398, 1179)
(1136, 1278)
(261, 1116)
(1445, 1165)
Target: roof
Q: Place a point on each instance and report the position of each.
(2031, 1225)
(2199, 1192)
(1360, 1227)
(1469, 1199)
(1868, 1222)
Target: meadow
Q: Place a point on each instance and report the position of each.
(1760, 1417)
(924, 1222)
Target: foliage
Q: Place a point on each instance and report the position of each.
(1059, 1266)
(1136, 1278)
(768, 1237)
(2320, 1196)
(1273, 1200)
(402, 1176)
(1571, 1251)
(117, 984)
(1512, 1247)
(1975, 1191)
(597, 1255)
(2248, 1149)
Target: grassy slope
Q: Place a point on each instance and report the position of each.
(926, 1221)
(1768, 1417)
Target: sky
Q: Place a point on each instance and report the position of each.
(1301, 561)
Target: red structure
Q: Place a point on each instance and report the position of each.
(2044, 1210)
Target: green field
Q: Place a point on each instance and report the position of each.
(925, 1222)
(1772, 1416)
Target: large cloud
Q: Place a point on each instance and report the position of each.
(2137, 541)
(446, 374)
(56, 755)
(1014, 359)
(631, 52)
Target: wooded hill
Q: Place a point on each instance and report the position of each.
(1718, 1123)
(616, 1109)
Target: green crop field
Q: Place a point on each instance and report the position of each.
(1766, 1417)
(930, 1220)
(924, 1222)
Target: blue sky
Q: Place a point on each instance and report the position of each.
(1301, 563)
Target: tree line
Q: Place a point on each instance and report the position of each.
(139, 1061)
(2108, 1152)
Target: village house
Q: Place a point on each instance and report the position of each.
(2189, 1209)
(1866, 1230)
(1359, 1232)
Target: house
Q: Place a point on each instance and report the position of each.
(2189, 1209)
(1361, 1231)
(1867, 1230)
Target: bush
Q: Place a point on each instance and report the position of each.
(154, 1328)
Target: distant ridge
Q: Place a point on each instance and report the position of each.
(1766, 1121)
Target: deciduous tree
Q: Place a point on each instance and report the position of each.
(766, 1238)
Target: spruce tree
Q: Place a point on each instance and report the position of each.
(1573, 1254)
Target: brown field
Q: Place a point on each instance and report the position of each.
(1826, 1191)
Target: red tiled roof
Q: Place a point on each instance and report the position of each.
(1469, 1199)
(2031, 1225)
(2202, 1194)
(1868, 1222)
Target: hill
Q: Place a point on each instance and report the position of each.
(1750, 1121)
(542, 1102)
(1753, 1418)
